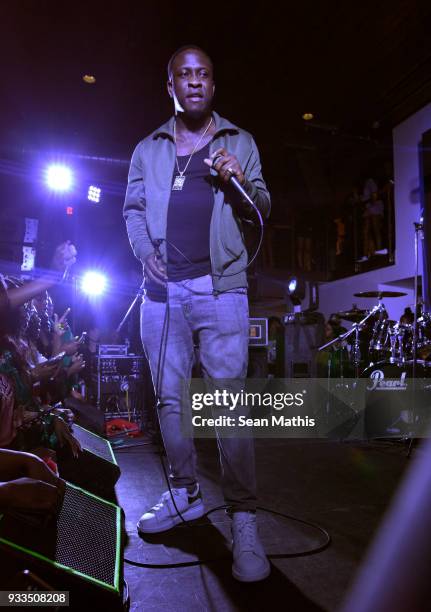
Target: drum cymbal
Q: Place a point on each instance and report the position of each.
(355, 315)
(379, 294)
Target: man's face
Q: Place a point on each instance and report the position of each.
(192, 82)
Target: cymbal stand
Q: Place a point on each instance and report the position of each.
(356, 328)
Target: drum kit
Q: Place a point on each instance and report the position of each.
(390, 354)
(374, 338)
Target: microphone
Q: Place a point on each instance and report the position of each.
(236, 184)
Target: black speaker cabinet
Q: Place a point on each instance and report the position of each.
(302, 336)
(96, 468)
(86, 415)
(80, 552)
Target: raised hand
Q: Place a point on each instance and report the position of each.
(64, 256)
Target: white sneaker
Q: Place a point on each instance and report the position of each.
(362, 259)
(381, 252)
(164, 516)
(250, 563)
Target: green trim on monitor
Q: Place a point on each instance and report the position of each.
(69, 570)
(118, 552)
(100, 437)
(105, 501)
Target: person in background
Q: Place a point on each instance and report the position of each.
(407, 317)
(373, 215)
(24, 422)
(64, 257)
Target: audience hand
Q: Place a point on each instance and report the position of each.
(64, 256)
(37, 469)
(45, 371)
(60, 324)
(70, 348)
(64, 436)
(29, 494)
(78, 364)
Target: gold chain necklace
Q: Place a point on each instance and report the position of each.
(180, 178)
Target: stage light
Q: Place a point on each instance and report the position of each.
(308, 116)
(94, 194)
(93, 283)
(296, 289)
(89, 78)
(292, 285)
(59, 178)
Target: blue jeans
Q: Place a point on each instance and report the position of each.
(219, 324)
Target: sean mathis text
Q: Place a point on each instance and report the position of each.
(242, 421)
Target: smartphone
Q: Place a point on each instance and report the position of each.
(82, 338)
(56, 359)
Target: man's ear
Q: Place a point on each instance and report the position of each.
(170, 88)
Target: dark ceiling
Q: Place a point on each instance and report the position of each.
(351, 63)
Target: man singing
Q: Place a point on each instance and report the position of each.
(184, 224)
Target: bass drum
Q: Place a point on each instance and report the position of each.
(394, 406)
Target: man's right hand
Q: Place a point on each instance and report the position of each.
(155, 270)
(28, 494)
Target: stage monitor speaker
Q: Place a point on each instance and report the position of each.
(96, 468)
(303, 334)
(80, 551)
(86, 415)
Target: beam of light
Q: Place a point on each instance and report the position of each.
(93, 283)
(59, 178)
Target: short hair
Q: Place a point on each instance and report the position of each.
(185, 48)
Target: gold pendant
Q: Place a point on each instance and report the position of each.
(178, 183)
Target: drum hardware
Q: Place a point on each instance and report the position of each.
(355, 329)
(354, 315)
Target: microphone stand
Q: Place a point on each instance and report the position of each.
(131, 307)
(418, 234)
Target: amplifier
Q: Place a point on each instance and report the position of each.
(95, 469)
(119, 365)
(80, 551)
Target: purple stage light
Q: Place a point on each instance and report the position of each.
(93, 283)
(59, 178)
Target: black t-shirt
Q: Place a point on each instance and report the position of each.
(188, 224)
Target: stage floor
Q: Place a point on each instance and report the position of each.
(345, 487)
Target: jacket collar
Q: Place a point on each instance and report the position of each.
(221, 125)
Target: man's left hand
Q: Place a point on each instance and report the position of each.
(226, 165)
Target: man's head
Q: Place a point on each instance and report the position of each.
(191, 81)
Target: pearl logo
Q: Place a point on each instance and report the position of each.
(379, 383)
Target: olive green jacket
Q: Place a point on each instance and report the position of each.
(149, 190)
